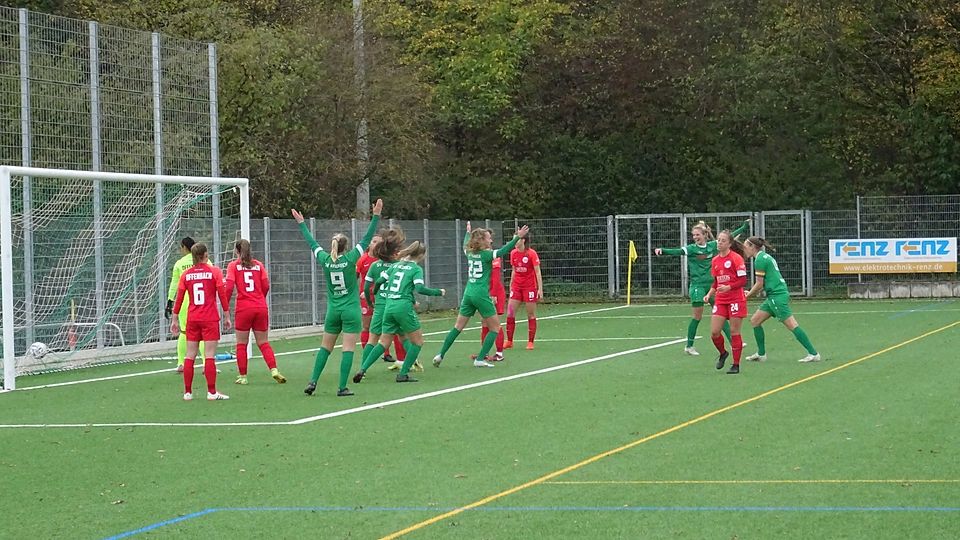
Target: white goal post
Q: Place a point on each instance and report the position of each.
(110, 216)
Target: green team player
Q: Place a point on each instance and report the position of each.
(386, 253)
(699, 254)
(476, 296)
(400, 281)
(777, 303)
(179, 267)
(343, 300)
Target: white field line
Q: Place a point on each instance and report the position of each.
(372, 406)
(802, 313)
(312, 350)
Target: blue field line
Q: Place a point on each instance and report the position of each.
(925, 307)
(436, 509)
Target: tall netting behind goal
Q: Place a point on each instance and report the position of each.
(86, 265)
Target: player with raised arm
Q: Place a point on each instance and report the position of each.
(401, 281)
(249, 277)
(498, 295)
(366, 309)
(183, 263)
(476, 297)
(387, 253)
(526, 287)
(699, 254)
(777, 303)
(729, 273)
(343, 301)
(203, 282)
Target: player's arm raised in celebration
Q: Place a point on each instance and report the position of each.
(744, 227)
(318, 251)
(372, 228)
(506, 248)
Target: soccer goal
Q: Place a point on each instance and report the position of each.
(86, 257)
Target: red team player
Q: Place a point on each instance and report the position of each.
(366, 310)
(249, 277)
(499, 296)
(729, 277)
(204, 283)
(526, 286)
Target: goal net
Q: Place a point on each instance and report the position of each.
(87, 259)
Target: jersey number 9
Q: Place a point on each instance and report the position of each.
(339, 283)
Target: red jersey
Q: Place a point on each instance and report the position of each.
(252, 284)
(729, 270)
(363, 265)
(523, 263)
(496, 276)
(204, 283)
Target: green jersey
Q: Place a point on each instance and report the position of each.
(401, 281)
(179, 268)
(480, 267)
(699, 257)
(341, 275)
(766, 267)
(378, 269)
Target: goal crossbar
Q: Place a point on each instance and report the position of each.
(6, 231)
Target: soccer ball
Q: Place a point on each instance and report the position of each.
(38, 350)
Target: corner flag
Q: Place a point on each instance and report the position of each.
(631, 256)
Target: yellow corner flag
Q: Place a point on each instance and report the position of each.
(632, 256)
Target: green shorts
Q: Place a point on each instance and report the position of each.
(778, 305)
(697, 292)
(346, 320)
(400, 319)
(483, 304)
(376, 322)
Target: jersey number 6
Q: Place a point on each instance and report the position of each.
(198, 296)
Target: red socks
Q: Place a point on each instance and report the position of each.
(364, 338)
(531, 329)
(210, 372)
(511, 326)
(718, 343)
(736, 343)
(242, 358)
(188, 375)
(267, 351)
(500, 341)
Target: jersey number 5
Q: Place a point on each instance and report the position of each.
(198, 295)
(248, 279)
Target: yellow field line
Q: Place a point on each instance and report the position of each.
(638, 442)
(809, 481)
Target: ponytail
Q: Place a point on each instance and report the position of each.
(199, 252)
(414, 251)
(243, 251)
(337, 246)
(760, 243)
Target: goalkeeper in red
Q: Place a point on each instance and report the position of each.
(476, 296)
(249, 277)
(203, 283)
(777, 303)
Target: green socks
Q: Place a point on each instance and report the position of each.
(346, 364)
(413, 351)
(761, 340)
(448, 342)
(804, 340)
(319, 364)
(692, 331)
(488, 344)
(365, 354)
(372, 357)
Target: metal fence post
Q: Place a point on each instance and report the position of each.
(457, 242)
(96, 165)
(616, 254)
(314, 299)
(859, 276)
(426, 242)
(215, 148)
(684, 285)
(158, 169)
(266, 255)
(25, 158)
(354, 231)
(611, 259)
(808, 252)
(649, 257)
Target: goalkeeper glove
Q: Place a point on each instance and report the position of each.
(169, 311)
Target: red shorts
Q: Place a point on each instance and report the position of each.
(733, 310)
(203, 331)
(523, 294)
(499, 300)
(365, 310)
(257, 319)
